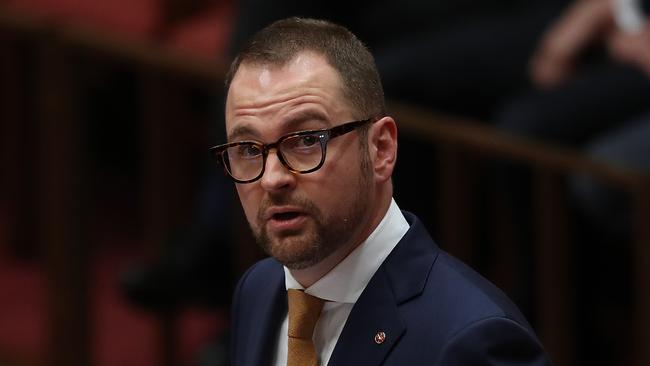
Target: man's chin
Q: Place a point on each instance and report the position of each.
(297, 251)
(298, 264)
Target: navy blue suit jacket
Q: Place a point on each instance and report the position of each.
(434, 310)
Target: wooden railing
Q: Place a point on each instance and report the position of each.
(56, 180)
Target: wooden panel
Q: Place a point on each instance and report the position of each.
(61, 200)
(162, 164)
(642, 272)
(455, 205)
(553, 280)
(17, 148)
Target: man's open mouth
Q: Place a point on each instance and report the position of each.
(285, 216)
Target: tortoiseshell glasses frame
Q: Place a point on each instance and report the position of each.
(300, 152)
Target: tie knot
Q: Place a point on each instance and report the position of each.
(304, 311)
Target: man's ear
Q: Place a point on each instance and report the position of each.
(383, 147)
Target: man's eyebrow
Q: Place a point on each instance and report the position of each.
(295, 121)
(242, 130)
(292, 124)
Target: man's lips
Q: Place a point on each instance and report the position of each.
(284, 218)
(282, 213)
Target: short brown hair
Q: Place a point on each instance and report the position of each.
(282, 41)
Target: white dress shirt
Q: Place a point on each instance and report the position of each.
(628, 15)
(343, 285)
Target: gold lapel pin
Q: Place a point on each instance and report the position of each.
(380, 337)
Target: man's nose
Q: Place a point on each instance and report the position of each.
(276, 175)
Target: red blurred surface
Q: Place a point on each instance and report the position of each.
(122, 334)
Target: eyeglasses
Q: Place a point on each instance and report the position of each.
(301, 152)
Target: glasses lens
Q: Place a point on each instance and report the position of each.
(244, 161)
(303, 152)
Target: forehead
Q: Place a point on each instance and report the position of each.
(305, 69)
(268, 92)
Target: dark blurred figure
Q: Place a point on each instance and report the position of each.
(628, 147)
(591, 91)
(588, 76)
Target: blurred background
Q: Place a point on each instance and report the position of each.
(524, 147)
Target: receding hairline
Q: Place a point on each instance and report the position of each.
(275, 65)
(279, 64)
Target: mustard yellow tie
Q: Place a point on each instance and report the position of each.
(304, 311)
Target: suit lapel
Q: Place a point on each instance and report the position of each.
(268, 319)
(374, 312)
(401, 277)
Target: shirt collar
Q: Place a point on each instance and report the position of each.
(345, 282)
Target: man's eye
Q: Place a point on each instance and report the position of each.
(248, 151)
(302, 144)
(306, 141)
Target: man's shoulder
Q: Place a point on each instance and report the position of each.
(258, 305)
(260, 274)
(453, 280)
(453, 290)
(469, 317)
(259, 288)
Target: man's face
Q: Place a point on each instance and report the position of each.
(300, 219)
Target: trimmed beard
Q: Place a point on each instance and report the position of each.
(323, 235)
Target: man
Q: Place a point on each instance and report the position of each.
(352, 279)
